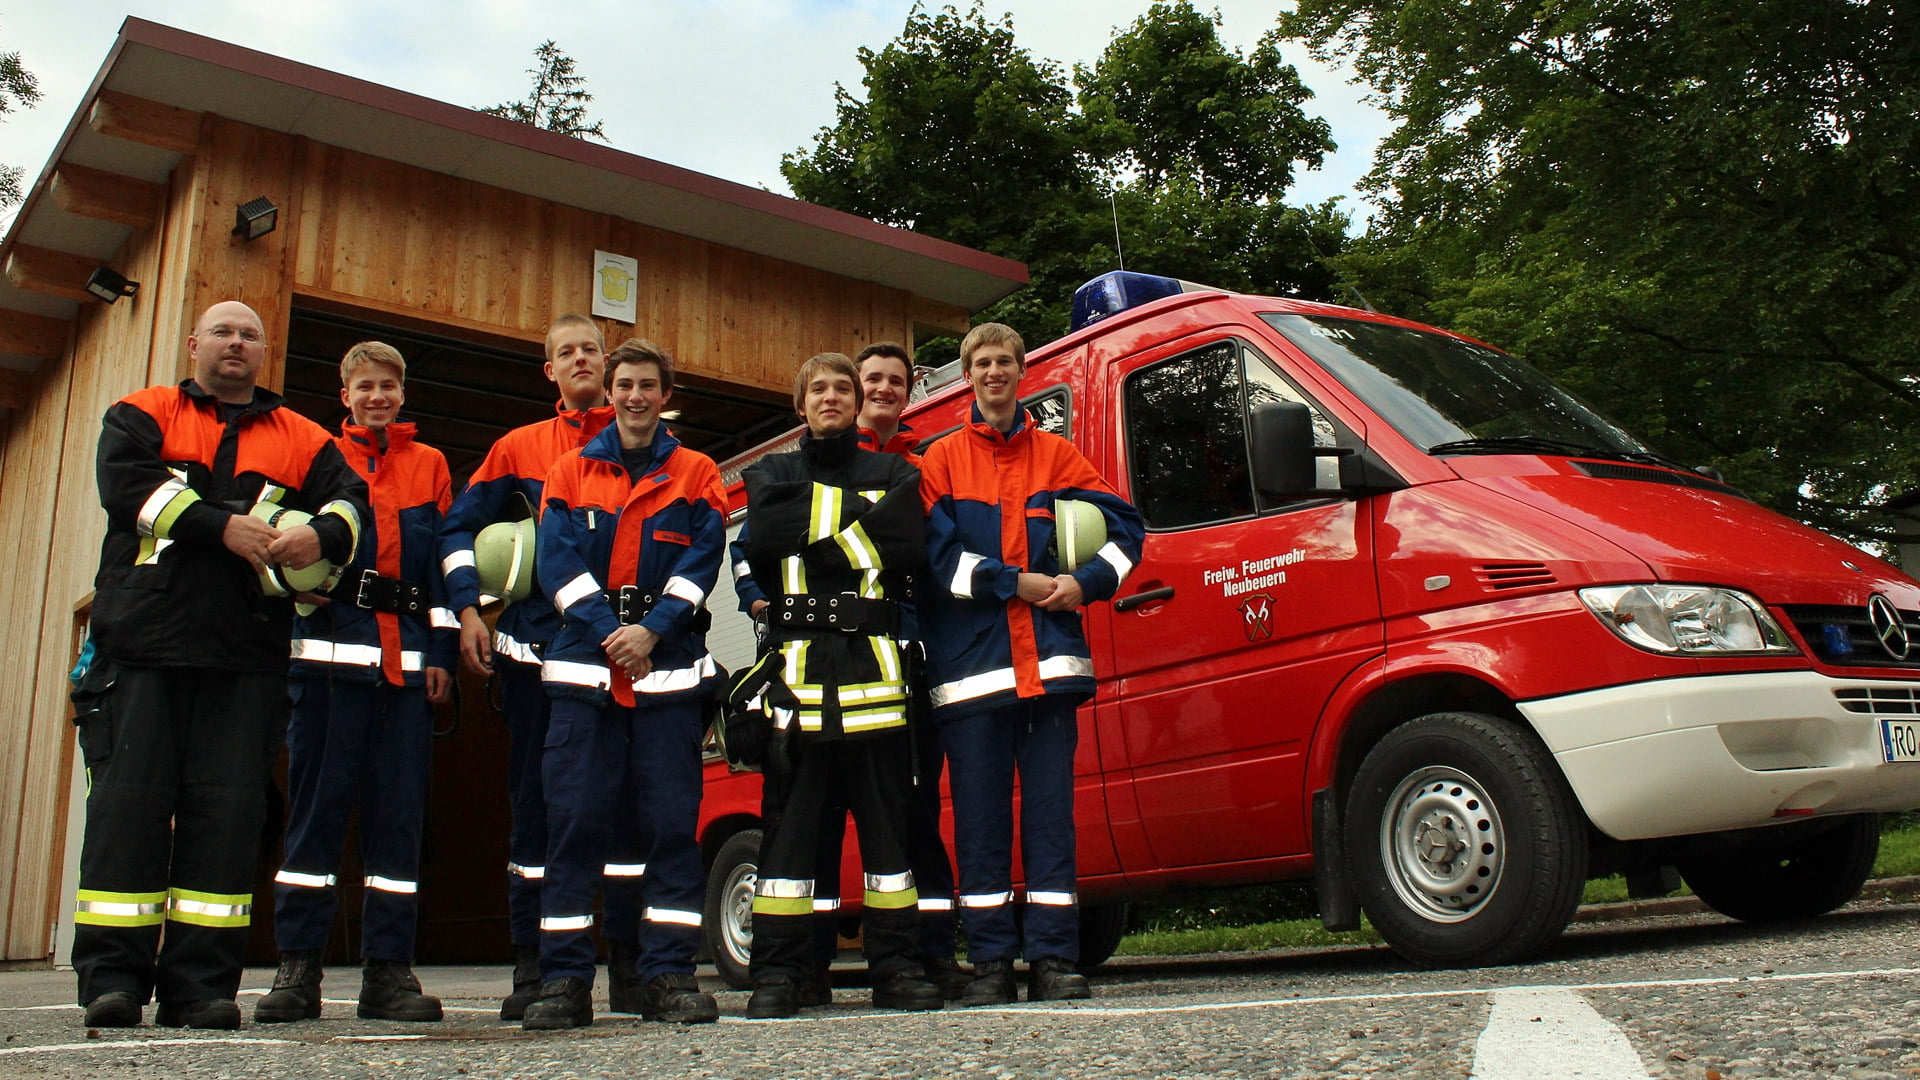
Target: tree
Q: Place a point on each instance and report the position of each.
(18, 89)
(557, 101)
(964, 135)
(1700, 213)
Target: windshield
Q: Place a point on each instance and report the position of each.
(1450, 396)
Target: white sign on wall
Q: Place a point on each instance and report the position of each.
(616, 287)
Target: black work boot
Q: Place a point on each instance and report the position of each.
(624, 989)
(565, 1002)
(389, 991)
(906, 989)
(296, 990)
(950, 975)
(526, 982)
(1053, 979)
(212, 1014)
(817, 987)
(992, 984)
(775, 998)
(115, 1008)
(676, 998)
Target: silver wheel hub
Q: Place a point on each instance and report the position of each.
(736, 913)
(1443, 844)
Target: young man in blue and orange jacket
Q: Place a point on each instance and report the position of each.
(507, 487)
(1009, 665)
(630, 543)
(368, 667)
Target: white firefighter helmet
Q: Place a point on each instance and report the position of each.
(503, 556)
(1079, 532)
(281, 580)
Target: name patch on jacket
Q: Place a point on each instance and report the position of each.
(666, 537)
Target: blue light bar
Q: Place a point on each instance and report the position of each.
(1117, 291)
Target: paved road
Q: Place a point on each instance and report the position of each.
(1682, 996)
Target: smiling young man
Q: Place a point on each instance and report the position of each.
(368, 667)
(507, 487)
(630, 544)
(836, 531)
(1009, 665)
(182, 706)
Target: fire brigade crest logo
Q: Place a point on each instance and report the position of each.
(1257, 614)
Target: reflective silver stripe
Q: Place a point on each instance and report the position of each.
(890, 882)
(980, 900)
(993, 682)
(963, 576)
(1051, 899)
(935, 903)
(741, 571)
(443, 619)
(826, 903)
(387, 884)
(309, 881)
(575, 673)
(156, 503)
(316, 651)
(869, 721)
(624, 870)
(783, 888)
(669, 915)
(575, 591)
(686, 678)
(1111, 554)
(514, 650)
(685, 590)
(531, 873)
(567, 922)
(109, 907)
(201, 907)
(455, 560)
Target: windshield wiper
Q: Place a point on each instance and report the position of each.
(1509, 444)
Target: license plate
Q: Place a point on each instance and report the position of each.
(1900, 740)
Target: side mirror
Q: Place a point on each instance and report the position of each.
(1281, 434)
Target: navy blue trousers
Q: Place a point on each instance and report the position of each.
(611, 773)
(349, 742)
(1036, 739)
(524, 698)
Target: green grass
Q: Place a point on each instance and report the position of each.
(1226, 920)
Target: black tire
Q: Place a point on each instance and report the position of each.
(727, 924)
(1101, 928)
(1464, 844)
(1809, 874)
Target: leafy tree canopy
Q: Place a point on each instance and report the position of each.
(18, 89)
(1702, 214)
(558, 100)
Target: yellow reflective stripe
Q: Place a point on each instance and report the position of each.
(344, 510)
(858, 548)
(870, 722)
(150, 549)
(886, 652)
(793, 575)
(209, 909)
(874, 495)
(777, 905)
(271, 492)
(162, 508)
(96, 907)
(910, 898)
(826, 511)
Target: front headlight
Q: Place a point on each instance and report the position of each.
(1687, 620)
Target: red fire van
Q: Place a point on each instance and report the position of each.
(1415, 623)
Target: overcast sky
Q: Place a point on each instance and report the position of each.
(722, 88)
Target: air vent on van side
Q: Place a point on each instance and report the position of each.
(1505, 577)
(1613, 470)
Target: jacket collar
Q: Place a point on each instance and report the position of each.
(264, 400)
(1021, 422)
(834, 449)
(606, 446)
(903, 441)
(399, 434)
(586, 422)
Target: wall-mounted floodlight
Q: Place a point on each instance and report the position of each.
(255, 219)
(109, 286)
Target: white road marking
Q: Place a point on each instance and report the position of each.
(124, 1045)
(1534, 1031)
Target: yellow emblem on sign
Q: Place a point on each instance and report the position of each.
(615, 283)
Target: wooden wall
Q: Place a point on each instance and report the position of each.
(366, 233)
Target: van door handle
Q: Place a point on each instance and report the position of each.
(1128, 603)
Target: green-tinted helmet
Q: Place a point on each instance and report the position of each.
(277, 580)
(1079, 531)
(503, 555)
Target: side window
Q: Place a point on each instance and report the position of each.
(1186, 439)
(1051, 411)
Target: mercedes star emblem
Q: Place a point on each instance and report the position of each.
(1888, 629)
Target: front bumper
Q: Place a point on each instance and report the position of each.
(1710, 753)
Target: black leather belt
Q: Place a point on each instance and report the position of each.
(631, 604)
(844, 612)
(396, 595)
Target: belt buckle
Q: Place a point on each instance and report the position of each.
(627, 593)
(853, 598)
(367, 578)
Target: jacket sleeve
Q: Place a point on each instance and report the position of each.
(340, 498)
(745, 588)
(951, 567)
(698, 567)
(487, 499)
(139, 493)
(443, 621)
(890, 535)
(1102, 575)
(576, 592)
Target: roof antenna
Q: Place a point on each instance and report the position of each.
(1113, 200)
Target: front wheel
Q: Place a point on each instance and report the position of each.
(728, 922)
(1463, 841)
(1101, 928)
(1810, 874)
